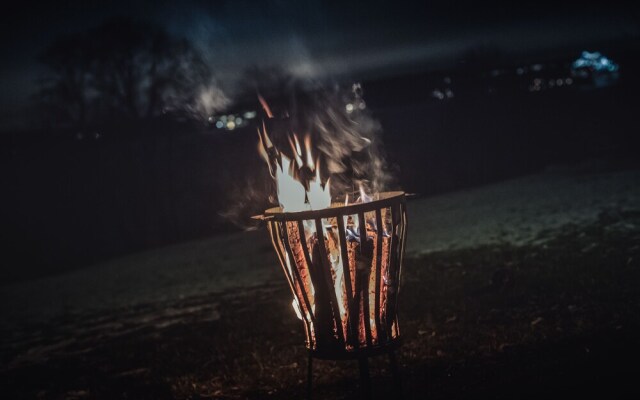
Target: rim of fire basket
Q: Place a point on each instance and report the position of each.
(385, 199)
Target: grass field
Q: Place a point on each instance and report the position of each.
(558, 317)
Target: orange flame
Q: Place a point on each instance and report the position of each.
(297, 152)
(265, 106)
(307, 149)
(293, 193)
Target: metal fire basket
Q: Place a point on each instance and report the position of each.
(343, 266)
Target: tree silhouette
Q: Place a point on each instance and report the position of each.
(64, 91)
(123, 69)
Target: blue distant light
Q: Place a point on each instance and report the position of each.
(595, 61)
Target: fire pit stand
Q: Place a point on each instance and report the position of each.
(343, 266)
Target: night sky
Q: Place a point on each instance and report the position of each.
(315, 38)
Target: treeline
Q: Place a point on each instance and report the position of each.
(124, 69)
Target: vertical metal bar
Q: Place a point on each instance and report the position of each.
(390, 260)
(362, 230)
(303, 243)
(403, 241)
(309, 376)
(364, 290)
(277, 242)
(364, 280)
(329, 282)
(397, 381)
(379, 329)
(275, 237)
(365, 379)
(346, 270)
(394, 259)
(297, 274)
(345, 256)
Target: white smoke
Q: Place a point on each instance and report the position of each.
(209, 100)
(346, 134)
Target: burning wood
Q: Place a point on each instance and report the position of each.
(344, 273)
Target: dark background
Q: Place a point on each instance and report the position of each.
(78, 193)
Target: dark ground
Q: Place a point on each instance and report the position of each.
(557, 318)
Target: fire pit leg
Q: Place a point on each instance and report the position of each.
(309, 376)
(393, 362)
(365, 380)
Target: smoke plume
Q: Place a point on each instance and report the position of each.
(344, 135)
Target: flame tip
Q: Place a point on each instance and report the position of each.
(265, 106)
(297, 190)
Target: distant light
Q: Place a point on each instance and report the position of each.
(448, 93)
(447, 80)
(362, 105)
(536, 67)
(238, 121)
(97, 135)
(231, 117)
(349, 108)
(568, 81)
(437, 94)
(231, 125)
(223, 118)
(580, 73)
(219, 124)
(210, 119)
(595, 61)
(559, 82)
(537, 81)
(250, 115)
(356, 89)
